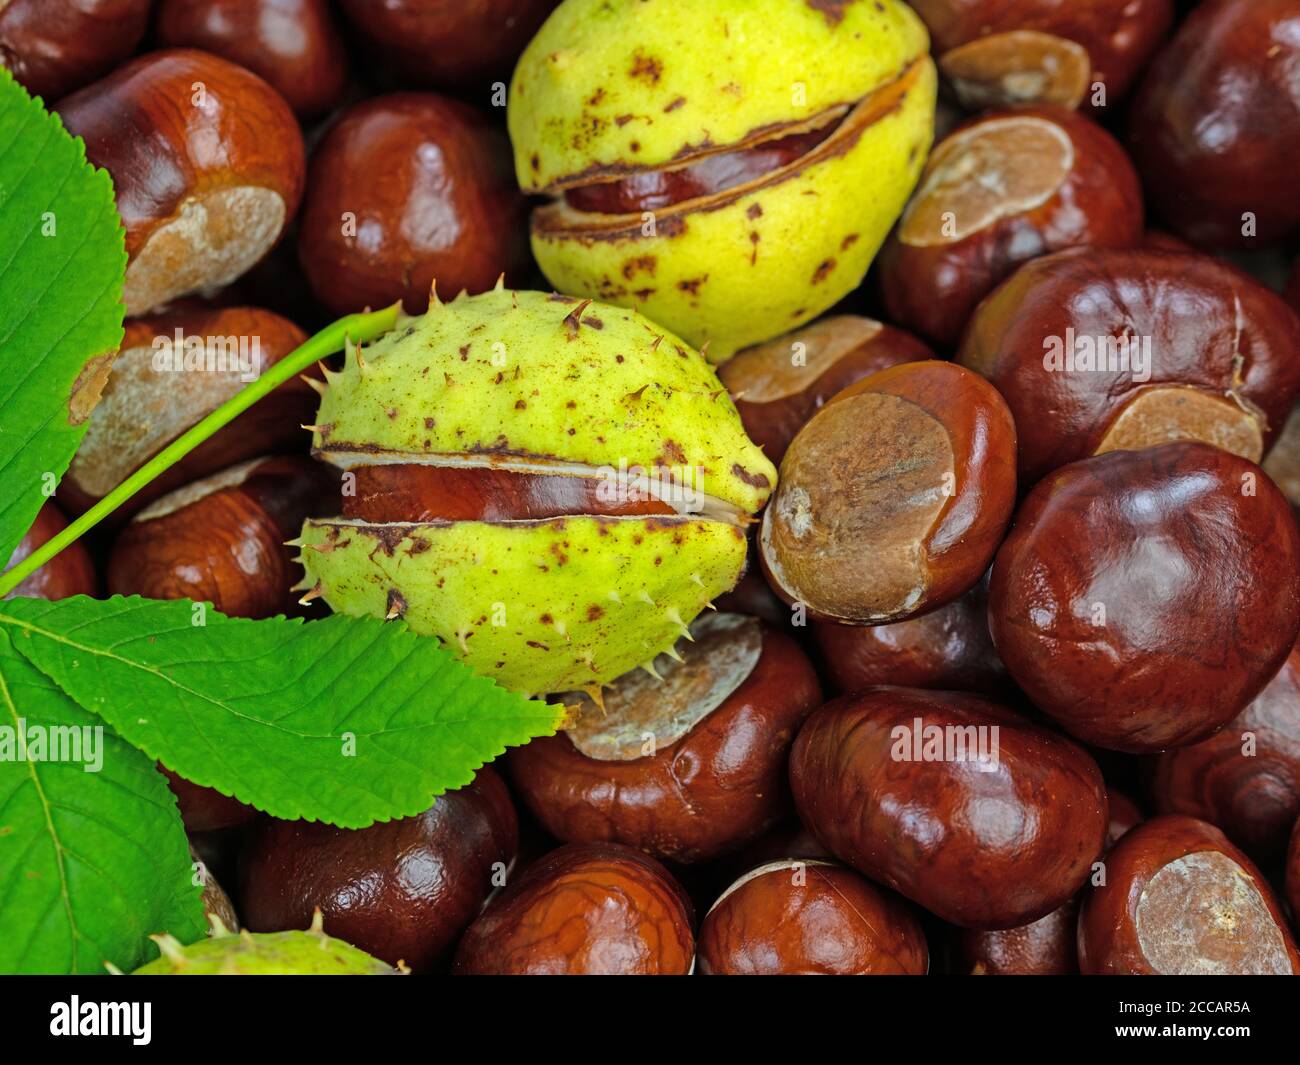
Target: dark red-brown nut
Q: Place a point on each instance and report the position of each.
(1292, 293)
(797, 917)
(1282, 463)
(996, 53)
(1102, 349)
(206, 809)
(893, 498)
(584, 909)
(984, 819)
(779, 385)
(400, 890)
(293, 44)
(1179, 899)
(949, 649)
(447, 43)
(1245, 779)
(1003, 189)
(406, 190)
(207, 164)
(685, 768)
(55, 46)
(1215, 127)
(1144, 598)
(161, 386)
(70, 572)
(1045, 947)
(222, 540)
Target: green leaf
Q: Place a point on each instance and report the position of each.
(62, 261)
(91, 863)
(345, 720)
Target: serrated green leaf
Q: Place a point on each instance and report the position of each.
(345, 720)
(91, 863)
(62, 261)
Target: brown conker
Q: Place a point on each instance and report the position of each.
(68, 573)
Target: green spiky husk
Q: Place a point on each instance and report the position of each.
(582, 600)
(264, 954)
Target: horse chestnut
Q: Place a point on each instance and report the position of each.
(1179, 899)
(728, 189)
(687, 764)
(998, 191)
(584, 909)
(401, 890)
(55, 46)
(207, 165)
(893, 498)
(796, 917)
(1101, 349)
(984, 819)
(70, 572)
(1144, 598)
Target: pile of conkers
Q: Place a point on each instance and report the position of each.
(1011, 684)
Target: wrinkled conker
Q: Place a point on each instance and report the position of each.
(779, 385)
(984, 819)
(1179, 899)
(293, 44)
(222, 539)
(55, 46)
(70, 572)
(1245, 779)
(892, 499)
(799, 917)
(403, 191)
(949, 649)
(686, 767)
(207, 165)
(1000, 190)
(584, 909)
(401, 890)
(1144, 598)
(1215, 127)
(1101, 349)
(171, 371)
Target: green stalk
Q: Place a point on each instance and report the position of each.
(359, 328)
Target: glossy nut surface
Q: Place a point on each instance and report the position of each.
(1180, 899)
(1245, 779)
(293, 44)
(70, 572)
(782, 383)
(1144, 598)
(441, 206)
(207, 165)
(1215, 127)
(1101, 349)
(55, 46)
(893, 498)
(160, 387)
(1045, 947)
(1002, 52)
(584, 909)
(796, 917)
(908, 787)
(400, 890)
(947, 649)
(998, 191)
(700, 793)
(439, 43)
(222, 540)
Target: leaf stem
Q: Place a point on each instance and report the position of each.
(355, 327)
